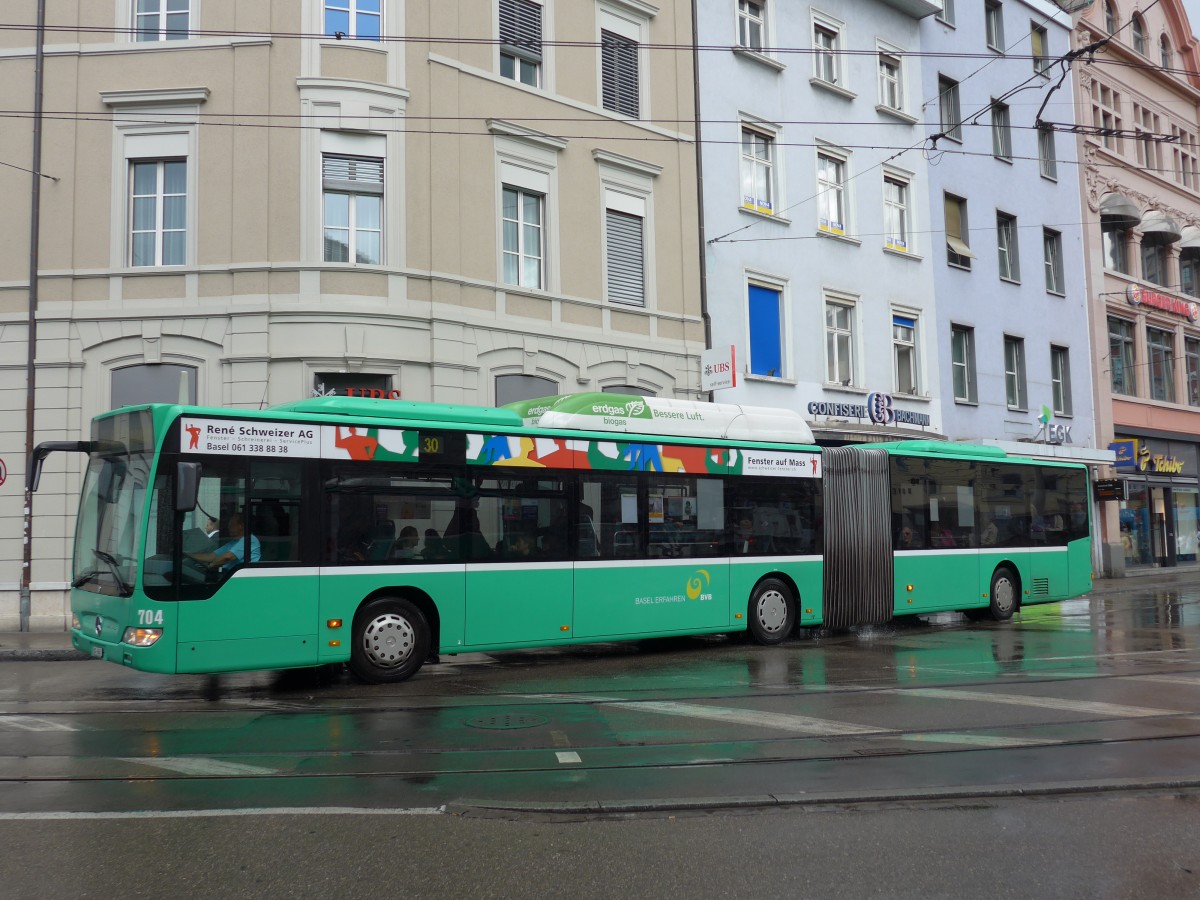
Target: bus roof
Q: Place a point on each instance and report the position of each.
(371, 408)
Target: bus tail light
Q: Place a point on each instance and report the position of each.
(141, 637)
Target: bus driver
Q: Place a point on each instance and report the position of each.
(231, 553)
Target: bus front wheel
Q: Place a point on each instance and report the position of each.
(1004, 594)
(772, 612)
(391, 641)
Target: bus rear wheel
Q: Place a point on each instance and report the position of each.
(772, 612)
(1004, 594)
(391, 641)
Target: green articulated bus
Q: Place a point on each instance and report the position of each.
(376, 532)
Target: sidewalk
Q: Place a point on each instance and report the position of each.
(55, 646)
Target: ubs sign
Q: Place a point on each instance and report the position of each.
(880, 409)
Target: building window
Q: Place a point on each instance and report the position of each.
(158, 212)
(1160, 345)
(1191, 353)
(1001, 131)
(1154, 260)
(758, 170)
(353, 384)
(353, 208)
(1106, 116)
(1116, 246)
(891, 81)
(1006, 247)
(1047, 158)
(515, 388)
(625, 257)
(1120, 356)
(1060, 380)
(1147, 141)
(1183, 150)
(946, 14)
(831, 193)
(962, 358)
(752, 24)
(161, 20)
(766, 330)
(1164, 52)
(951, 117)
(522, 225)
(839, 342)
(1052, 256)
(153, 383)
(619, 65)
(1040, 42)
(904, 353)
(897, 226)
(1110, 17)
(958, 250)
(358, 19)
(1014, 372)
(1189, 272)
(827, 47)
(521, 41)
(993, 15)
(1138, 32)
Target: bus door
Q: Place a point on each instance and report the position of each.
(511, 529)
(247, 599)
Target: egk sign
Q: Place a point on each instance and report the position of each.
(1051, 432)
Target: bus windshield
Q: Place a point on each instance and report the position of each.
(112, 506)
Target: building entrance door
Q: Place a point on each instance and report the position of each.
(1162, 526)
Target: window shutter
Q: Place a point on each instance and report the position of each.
(626, 269)
(521, 28)
(355, 174)
(619, 68)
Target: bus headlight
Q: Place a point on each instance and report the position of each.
(141, 637)
(75, 621)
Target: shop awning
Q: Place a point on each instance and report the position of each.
(1160, 227)
(1117, 209)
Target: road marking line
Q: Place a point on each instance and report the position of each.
(1189, 680)
(224, 813)
(976, 740)
(188, 765)
(777, 721)
(32, 723)
(568, 756)
(1083, 706)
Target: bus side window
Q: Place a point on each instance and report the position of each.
(275, 487)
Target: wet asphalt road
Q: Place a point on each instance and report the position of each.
(1064, 745)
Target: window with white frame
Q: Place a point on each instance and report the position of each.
(357, 19)
(161, 20)
(620, 66)
(158, 212)
(1052, 253)
(752, 24)
(827, 50)
(904, 352)
(1001, 131)
(758, 170)
(962, 361)
(1137, 31)
(993, 17)
(1184, 155)
(1121, 360)
(832, 208)
(1106, 116)
(958, 249)
(1014, 372)
(1040, 44)
(521, 41)
(891, 80)
(1110, 17)
(1164, 52)
(352, 208)
(1060, 379)
(1191, 356)
(1160, 347)
(839, 341)
(1047, 158)
(523, 235)
(765, 317)
(946, 13)
(1006, 247)
(625, 248)
(948, 108)
(897, 224)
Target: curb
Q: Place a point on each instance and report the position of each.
(49, 654)
(829, 798)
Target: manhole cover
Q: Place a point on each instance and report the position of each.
(508, 720)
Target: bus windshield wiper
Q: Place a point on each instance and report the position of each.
(111, 561)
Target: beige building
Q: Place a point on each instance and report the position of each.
(470, 202)
(1138, 97)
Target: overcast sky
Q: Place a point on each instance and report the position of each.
(1193, 12)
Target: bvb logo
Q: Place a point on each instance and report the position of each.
(697, 583)
(880, 408)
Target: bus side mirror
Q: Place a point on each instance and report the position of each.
(187, 486)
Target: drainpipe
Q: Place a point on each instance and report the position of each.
(35, 209)
(700, 180)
